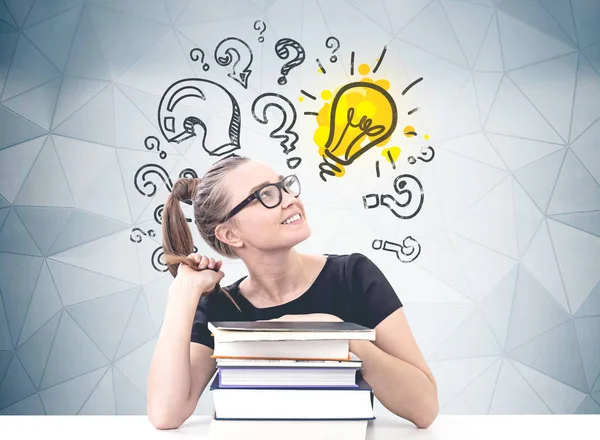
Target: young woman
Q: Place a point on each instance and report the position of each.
(243, 209)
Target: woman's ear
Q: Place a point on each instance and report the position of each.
(227, 234)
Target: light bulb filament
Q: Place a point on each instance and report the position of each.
(365, 125)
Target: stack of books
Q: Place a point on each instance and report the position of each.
(290, 371)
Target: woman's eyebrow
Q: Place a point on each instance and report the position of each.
(264, 183)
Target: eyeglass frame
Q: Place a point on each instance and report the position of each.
(255, 195)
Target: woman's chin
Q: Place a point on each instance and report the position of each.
(301, 234)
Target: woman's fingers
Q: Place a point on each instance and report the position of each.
(204, 262)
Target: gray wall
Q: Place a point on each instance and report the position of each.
(504, 296)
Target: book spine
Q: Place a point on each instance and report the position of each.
(286, 367)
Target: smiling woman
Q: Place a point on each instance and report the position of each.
(244, 209)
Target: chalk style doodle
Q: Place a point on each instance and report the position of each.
(333, 43)
(260, 26)
(282, 49)
(187, 173)
(157, 259)
(235, 53)
(198, 54)
(406, 252)
(178, 122)
(408, 205)
(344, 144)
(143, 179)
(136, 234)
(152, 142)
(354, 118)
(427, 155)
(284, 130)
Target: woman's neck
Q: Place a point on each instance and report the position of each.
(276, 278)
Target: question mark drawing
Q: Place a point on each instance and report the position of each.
(195, 57)
(237, 53)
(260, 26)
(404, 209)
(282, 49)
(136, 234)
(284, 130)
(178, 122)
(406, 252)
(330, 44)
(152, 141)
(424, 152)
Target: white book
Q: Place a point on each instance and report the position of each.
(286, 429)
(286, 339)
(324, 403)
(326, 350)
(288, 373)
(352, 362)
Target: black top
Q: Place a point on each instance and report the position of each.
(349, 286)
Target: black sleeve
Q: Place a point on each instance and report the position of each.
(375, 296)
(200, 332)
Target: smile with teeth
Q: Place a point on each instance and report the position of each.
(292, 219)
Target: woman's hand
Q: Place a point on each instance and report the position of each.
(199, 279)
(315, 317)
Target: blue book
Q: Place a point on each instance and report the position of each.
(293, 403)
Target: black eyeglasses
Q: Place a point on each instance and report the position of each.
(269, 195)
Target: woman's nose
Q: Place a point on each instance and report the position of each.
(287, 199)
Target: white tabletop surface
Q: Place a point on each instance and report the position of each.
(488, 427)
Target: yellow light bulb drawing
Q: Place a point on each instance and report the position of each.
(362, 115)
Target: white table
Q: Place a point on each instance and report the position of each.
(487, 427)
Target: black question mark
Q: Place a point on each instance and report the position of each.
(152, 141)
(412, 160)
(397, 208)
(284, 130)
(258, 27)
(136, 234)
(329, 43)
(282, 49)
(224, 54)
(195, 57)
(406, 252)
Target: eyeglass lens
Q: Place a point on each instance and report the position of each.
(270, 195)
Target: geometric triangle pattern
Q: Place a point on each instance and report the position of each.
(33, 353)
(45, 303)
(556, 354)
(104, 319)
(505, 92)
(101, 400)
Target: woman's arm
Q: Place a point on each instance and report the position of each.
(397, 371)
(172, 390)
(393, 366)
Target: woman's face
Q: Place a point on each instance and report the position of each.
(260, 227)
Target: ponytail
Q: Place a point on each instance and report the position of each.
(177, 239)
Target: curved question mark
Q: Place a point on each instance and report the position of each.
(261, 29)
(283, 52)
(152, 141)
(412, 160)
(224, 54)
(329, 43)
(284, 130)
(404, 210)
(406, 252)
(178, 121)
(194, 56)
